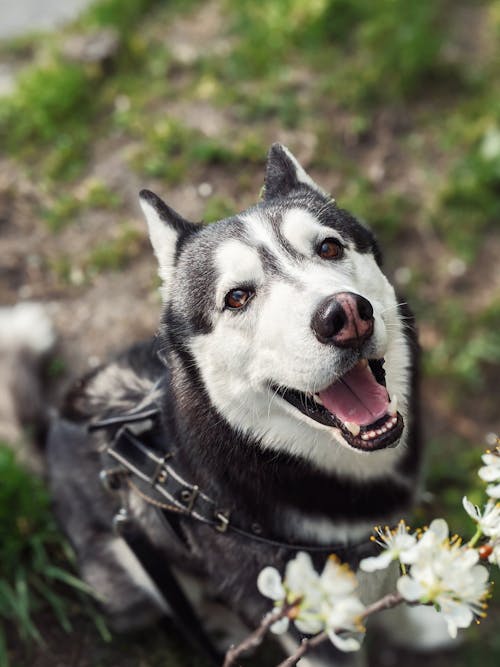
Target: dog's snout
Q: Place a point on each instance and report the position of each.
(343, 319)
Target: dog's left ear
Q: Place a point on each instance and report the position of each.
(284, 174)
(166, 230)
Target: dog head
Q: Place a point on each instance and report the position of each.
(293, 327)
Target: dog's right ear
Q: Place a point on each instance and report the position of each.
(166, 229)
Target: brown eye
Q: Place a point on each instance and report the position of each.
(237, 298)
(330, 249)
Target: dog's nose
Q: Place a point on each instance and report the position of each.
(343, 319)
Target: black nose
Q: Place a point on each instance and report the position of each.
(343, 319)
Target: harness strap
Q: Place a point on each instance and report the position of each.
(187, 499)
(156, 566)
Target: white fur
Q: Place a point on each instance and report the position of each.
(304, 527)
(163, 239)
(238, 264)
(26, 325)
(303, 231)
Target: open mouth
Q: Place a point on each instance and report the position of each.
(357, 403)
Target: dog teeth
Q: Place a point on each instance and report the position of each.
(365, 436)
(392, 408)
(352, 428)
(317, 399)
(363, 363)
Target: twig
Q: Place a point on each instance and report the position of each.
(255, 639)
(304, 646)
(387, 602)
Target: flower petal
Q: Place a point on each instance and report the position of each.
(440, 529)
(471, 509)
(309, 626)
(489, 473)
(269, 584)
(456, 615)
(373, 563)
(300, 573)
(410, 589)
(493, 490)
(344, 643)
(337, 580)
(280, 626)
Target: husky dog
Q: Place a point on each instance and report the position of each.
(284, 371)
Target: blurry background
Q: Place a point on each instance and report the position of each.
(393, 106)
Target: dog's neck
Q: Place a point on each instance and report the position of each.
(264, 486)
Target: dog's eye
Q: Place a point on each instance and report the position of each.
(330, 249)
(237, 298)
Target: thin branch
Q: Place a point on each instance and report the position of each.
(255, 639)
(387, 602)
(304, 646)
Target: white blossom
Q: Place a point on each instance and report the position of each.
(345, 615)
(325, 600)
(446, 574)
(337, 579)
(490, 472)
(269, 584)
(429, 543)
(395, 543)
(488, 520)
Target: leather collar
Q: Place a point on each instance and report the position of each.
(157, 472)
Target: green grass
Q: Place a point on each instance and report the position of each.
(469, 348)
(36, 563)
(68, 206)
(50, 120)
(340, 38)
(115, 254)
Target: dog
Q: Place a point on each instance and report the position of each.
(284, 379)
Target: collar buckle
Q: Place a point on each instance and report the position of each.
(188, 496)
(222, 517)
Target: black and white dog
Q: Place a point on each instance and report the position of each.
(284, 376)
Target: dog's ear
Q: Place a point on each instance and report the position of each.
(166, 229)
(284, 174)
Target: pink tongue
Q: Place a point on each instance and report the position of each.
(357, 397)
